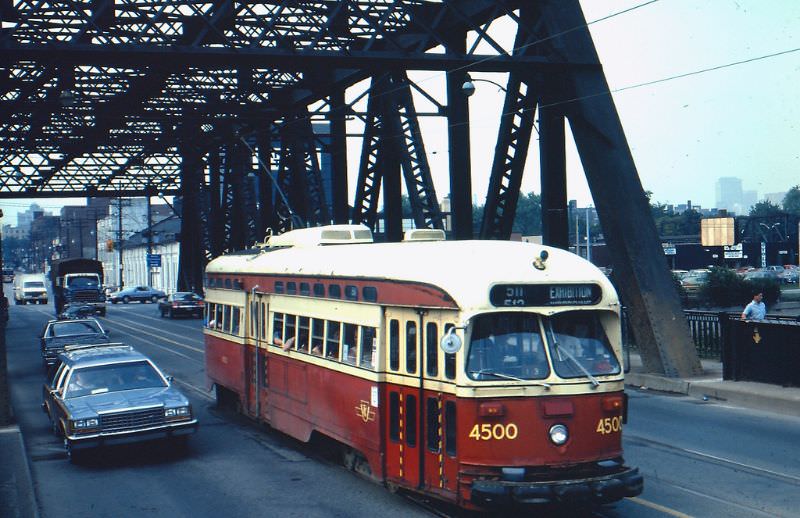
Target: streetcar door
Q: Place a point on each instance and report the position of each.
(255, 357)
(401, 424)
(438, 405)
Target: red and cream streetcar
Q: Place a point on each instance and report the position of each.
(484, 373)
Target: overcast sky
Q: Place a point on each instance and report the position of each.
(741, 120)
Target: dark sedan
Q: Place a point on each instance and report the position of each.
(136, 293)
(112, 394)
(182, 303)
(59, 333)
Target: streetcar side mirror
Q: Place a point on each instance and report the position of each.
(450, 342)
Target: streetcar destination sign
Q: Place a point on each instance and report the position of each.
(514, 295)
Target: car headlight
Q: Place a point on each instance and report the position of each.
(559, 434)
(181, 411)
(80, 424)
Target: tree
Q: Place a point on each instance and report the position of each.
(765, 208)
(791, 202)
(528, 219)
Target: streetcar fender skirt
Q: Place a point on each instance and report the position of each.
(608, 488)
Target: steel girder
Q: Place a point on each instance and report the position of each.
(392, 137)
(658, 324)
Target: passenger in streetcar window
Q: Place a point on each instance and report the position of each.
(316, 350)
(350, 344)
(367, 347)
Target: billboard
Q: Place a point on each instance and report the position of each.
(717, 232)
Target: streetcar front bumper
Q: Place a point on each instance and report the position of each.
(601, 489)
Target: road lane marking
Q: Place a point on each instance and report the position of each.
(658, 507)
(159, 337)
(200, 392)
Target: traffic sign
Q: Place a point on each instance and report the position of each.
(154, 260)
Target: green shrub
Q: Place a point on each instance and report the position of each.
(724, 288)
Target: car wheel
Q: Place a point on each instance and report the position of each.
(72, 455)
(44, 301)
(126, 299)
(153, 299)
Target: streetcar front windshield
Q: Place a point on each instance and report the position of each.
(506, 346)
(579, 346)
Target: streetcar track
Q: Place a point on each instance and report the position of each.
(713, 459)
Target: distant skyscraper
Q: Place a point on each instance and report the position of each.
(749, 198)
(729, 194)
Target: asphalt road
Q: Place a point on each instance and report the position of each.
(698, 458)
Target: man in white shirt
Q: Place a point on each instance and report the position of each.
(756, 310)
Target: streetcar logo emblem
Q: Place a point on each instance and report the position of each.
(364, 411)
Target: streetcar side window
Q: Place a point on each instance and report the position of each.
(370, 293)
(236, 319)
(319, 289)
(277, 328)
(394, 345)
(411, 420)
(450, 428)
(411, 347)
(432, 349)
(349, 345)
(290, 324)
(264, 317)
(335, 291)
(434, 433)
(332, 340)
(351, 292)
(368, 347)
(226, 319)
(279, 288)
(303, 324)
(291, 288)
(305, 289)
(394, 416)
(449, 358)
(218, 317)
(317, 338)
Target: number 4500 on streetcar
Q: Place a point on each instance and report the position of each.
(484, 373)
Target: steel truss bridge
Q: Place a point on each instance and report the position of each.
(193, 98)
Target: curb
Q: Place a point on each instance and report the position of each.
(16, 483)
(746, 394)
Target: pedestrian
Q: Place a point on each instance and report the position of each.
(756, 310)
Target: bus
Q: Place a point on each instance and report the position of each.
(481, 373)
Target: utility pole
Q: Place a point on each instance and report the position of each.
(588, 236)
(120, 283)
(5, 400)
(149, 240)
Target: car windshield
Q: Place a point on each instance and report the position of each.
(579, 346)
(506, 346)
(113, 378)
(34, 284)
(75, 328)
(83, 282)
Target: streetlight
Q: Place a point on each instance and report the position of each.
(468, 88)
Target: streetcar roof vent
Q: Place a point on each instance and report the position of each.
(327, 235)
(424, 234)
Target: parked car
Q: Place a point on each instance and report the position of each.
(57, 334)
(137, 293)
(77, 311)
(693, 281)
(761, 273)
(791, 274)
(182, 303)
(112, 394)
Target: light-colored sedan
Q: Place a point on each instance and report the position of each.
(112, 394)
(136, 294)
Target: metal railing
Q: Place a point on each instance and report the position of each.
(707, 330)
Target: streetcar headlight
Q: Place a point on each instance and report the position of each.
(181, 411)
(559, 434)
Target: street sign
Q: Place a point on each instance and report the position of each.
(763, 254)
(733, 251)
(154, 260)
(669, 249)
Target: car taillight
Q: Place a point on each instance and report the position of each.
(174, 304)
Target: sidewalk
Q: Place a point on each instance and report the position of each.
(17, 499)
(710, 385)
